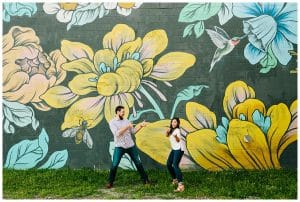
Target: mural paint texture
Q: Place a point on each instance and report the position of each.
(228, 70)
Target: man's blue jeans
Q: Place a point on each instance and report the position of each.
(133, 153)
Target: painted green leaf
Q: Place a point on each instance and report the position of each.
(188, 30)
(198, 11)
(187, 94)
(268, 62)
(126, 162)
(27, 153)
(57, 160)
(199, 29)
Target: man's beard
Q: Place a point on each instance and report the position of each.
(120, 117)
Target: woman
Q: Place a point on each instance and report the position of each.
(176, 154)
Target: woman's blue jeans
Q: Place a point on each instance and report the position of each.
(173, 164)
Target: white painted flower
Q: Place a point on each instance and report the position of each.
(76, 13)
(123, 8)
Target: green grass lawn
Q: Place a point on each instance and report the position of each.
(87, 183)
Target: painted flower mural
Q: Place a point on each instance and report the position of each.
(84, 13)
(114, 75)
(271, 29)
(251, 137)
(28, 72)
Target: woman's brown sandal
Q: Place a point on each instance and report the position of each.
(175, 182)
(180, 188)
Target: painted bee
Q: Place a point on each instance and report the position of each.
(80, 133)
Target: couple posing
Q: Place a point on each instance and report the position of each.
(122, 130)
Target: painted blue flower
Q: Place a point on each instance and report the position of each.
(268, 24)
(18, 9)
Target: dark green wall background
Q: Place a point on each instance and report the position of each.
(279, 85)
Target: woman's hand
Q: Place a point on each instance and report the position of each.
(168, 132)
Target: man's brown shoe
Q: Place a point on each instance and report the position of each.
(109, 186)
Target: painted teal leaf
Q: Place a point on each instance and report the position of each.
(138, 114)
(188, 30)
(225, 13)
(268, 62)
(135, 56)
(242, 117)
(115, 61)
(198, 11)
(18, 114)
(126, 162)
(267, 124)
(18, 9)
(263, 122)
(102, 67)
(221, 134)
(225, 122)
(187, 94)
(199, 29)
(57, 160)
(258, 118)
(87, 14)
(27, 153)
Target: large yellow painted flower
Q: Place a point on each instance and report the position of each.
(114, 74)
(251, 138)
(28, 72)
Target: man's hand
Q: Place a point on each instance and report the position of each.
(130, 126)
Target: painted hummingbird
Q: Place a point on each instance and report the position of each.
(224, 43)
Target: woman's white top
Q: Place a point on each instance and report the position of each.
(174, 144)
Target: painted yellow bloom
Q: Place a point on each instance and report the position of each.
(252, 138)
(113, 75)
(153, 142)
(28, 72)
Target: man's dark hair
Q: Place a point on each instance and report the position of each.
(118, 108)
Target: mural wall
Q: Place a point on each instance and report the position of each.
(228, 70)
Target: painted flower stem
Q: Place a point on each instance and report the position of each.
(152, 101)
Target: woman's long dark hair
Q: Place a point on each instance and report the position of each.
(178, 125)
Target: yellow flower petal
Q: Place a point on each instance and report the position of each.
(172, 65)
(248, 145)
(147, 66)
(120, 34)
(112, 102)
(88, 109)
(105, 56)
(208, 152)
(280, 121)
(76, 50)
(19, 36)
(59, 97)
(200, 116)
(235, 93)
(42, 106)
(132, 72)
(80, 66)
(16, 80)
(57, 70)
(81, 84)
(129, 48)
(109, 84)
(31, 91)
(154, 43)
(157, 145)
(247, 108)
